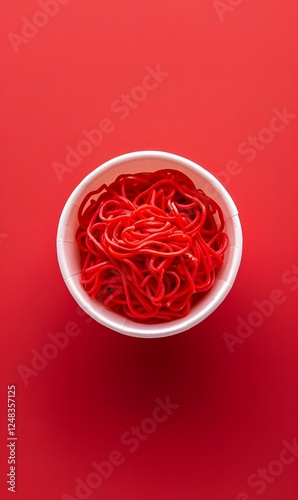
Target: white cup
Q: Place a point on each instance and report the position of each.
(69, 255)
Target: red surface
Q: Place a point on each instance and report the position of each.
(228, 68)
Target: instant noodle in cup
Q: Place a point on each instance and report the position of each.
(149, 244)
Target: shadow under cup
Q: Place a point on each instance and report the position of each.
(69, 255)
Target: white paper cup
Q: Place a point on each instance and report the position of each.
(69, 258)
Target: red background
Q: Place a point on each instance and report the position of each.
(228, 69)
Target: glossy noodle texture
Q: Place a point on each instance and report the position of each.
(150, 245)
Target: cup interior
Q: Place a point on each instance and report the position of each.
(68, 252)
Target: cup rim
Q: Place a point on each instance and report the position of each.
(66, 244)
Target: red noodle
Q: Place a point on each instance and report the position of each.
(150, 245)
